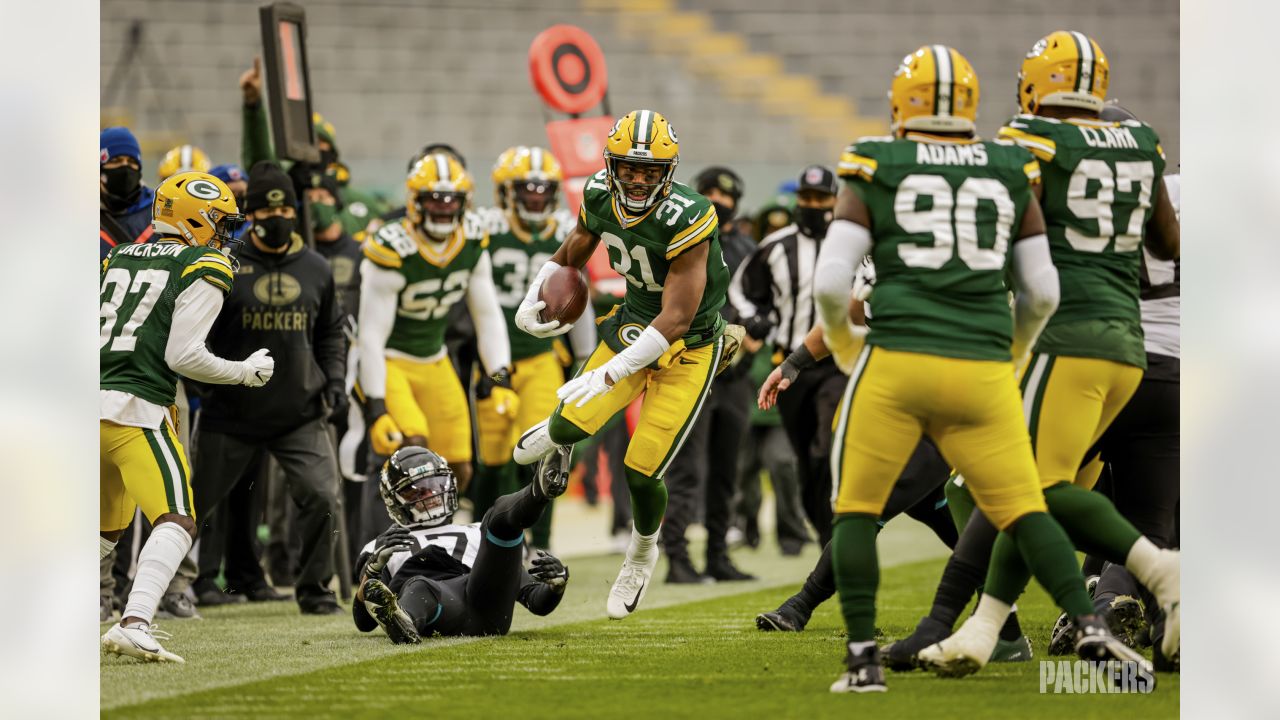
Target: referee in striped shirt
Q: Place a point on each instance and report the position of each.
(773, 294)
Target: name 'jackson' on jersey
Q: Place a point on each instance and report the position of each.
(943, 214)
(434, 280)
(1099, 179)
(641, 250)
(140, 285)
(515, 263)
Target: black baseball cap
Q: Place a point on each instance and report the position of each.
(818, 177)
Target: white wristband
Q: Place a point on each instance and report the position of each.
(647, 348)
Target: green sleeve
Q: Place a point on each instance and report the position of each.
(255, 139)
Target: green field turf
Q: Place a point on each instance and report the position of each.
(681, 655)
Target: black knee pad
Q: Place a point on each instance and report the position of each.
(421, 600)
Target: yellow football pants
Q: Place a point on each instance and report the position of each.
(971, 409)
(143, 468)
(426, 398)
(1069, 402)
(673, 397)
(535, 379)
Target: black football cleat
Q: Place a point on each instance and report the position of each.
(863, 673)
(900, 655)
(787, 618)
(552, 476)
(382, 605)
(1095, 643)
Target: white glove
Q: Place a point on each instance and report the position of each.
(258, 368)
(864, 281)
(527, 316)
(585, 387)
(527, 320)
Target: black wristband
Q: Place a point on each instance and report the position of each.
(802, 358)
(374, 408)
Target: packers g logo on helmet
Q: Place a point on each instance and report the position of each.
(934, 89)
(642, 137)
(1066, 69)
(197, 209)
(438, 192)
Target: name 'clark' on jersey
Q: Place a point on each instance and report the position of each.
(140, 285)
(943, 214)
(435, 279)
(1100, 182)
(515, 262)
(642, 248)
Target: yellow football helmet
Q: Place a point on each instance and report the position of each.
(198, 209)
(502, 173)
(1066, 69)
(534, 185)
(641, 137)
(184, 158)
(438, 193)
(935, 89)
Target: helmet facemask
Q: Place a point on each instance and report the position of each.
(639, 194)
(423, 496)
(440, 212)
(534, 201)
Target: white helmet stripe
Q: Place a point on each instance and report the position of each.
(184, 158)
(643, 120)
(535, 160)
(942, 58)
(442, 168)
(1084, 83)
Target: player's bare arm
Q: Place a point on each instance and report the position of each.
(576, 248)
(682, 293)
(1164, 234)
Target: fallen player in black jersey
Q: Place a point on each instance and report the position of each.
(427, 576)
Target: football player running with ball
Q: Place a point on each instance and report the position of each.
(413, 272)
(1104, 200)
(951, 213)
(666, 340)
(158, 301)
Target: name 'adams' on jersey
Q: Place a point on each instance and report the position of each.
(943, 215)
(642, 248)
(515, 262)
(434, 279)
(139, 289)
(1099, 181)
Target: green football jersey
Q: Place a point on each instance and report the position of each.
(435, 279)
(943, 215)
(139, 288)
(641, 250)
(515, 262)
(1099, 179)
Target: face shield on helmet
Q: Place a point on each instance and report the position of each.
(441, 211)
(535, 201)
(418, 488)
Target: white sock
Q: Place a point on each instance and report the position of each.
(642, 545)
(990, 615)
(105, 547)
(1157, 569)
(157, 564)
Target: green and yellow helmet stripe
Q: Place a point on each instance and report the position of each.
(1086, 61)
(944, 90)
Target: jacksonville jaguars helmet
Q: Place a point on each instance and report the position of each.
(418, 488)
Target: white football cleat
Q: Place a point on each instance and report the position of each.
(138, 640)
(534, 444)
(964, 653)
(632, 583)
(1168, 594)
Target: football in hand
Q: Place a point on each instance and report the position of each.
(565, 294)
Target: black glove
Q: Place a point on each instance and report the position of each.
(486, 383)
(397, 539)
(548, 569)
(757, 327)
(335, 397)
(799, 359)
